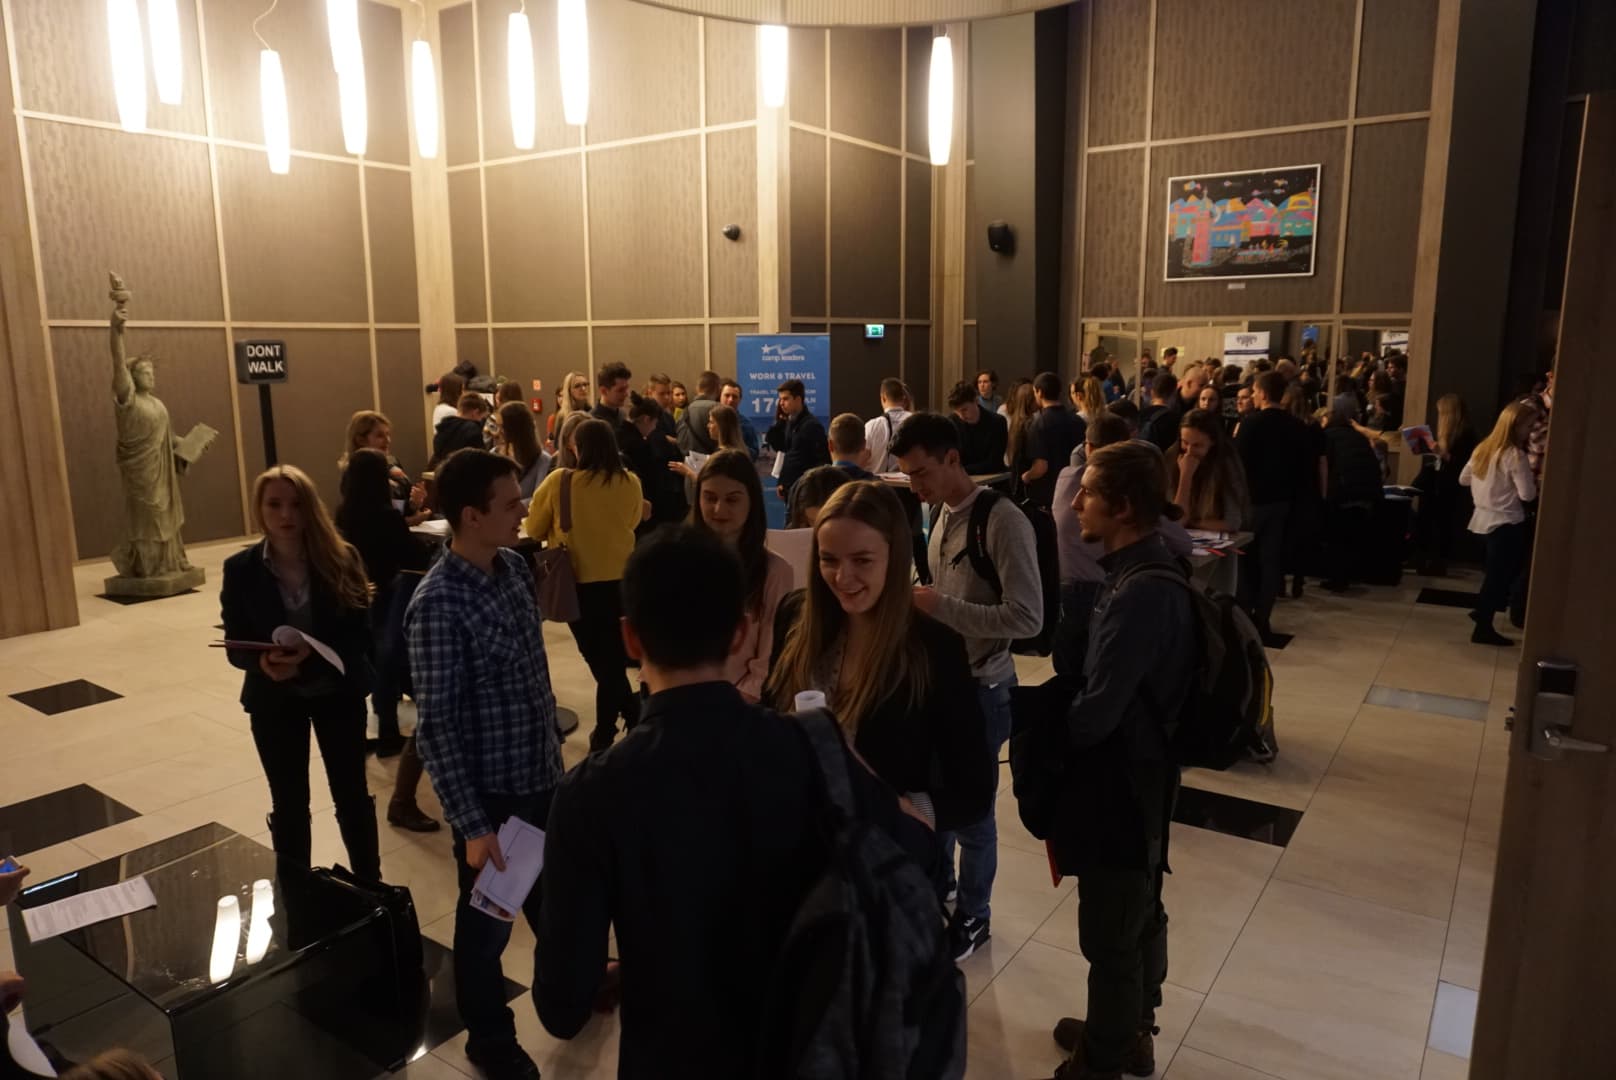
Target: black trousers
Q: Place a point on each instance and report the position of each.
(480, 939)
(1346, 539)
(599, 634)
(1506, 565)
(1122, 931)
(1262, 566)
(281, 734)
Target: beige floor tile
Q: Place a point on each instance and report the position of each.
(161, 784)
(1023, 900)
(1324, 987)
(1308, 736)
(427, 1068)
(1010, 1023)
(129, 835)
(592, 1055)
(1440, 1066)
(428, 874)
(1189, 1064)
(1467, 927)
(241, 807)
(1397, 748)
(1438, 665)
(54, 861)
(1215, 883)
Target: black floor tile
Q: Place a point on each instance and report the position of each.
(1448, 598)
(1276, 640)
(66, 696)
(1236, 817)
(50, 819)
(126, 601)
(443, 1015)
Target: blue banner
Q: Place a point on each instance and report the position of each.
(764, 361)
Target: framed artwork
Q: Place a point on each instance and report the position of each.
(1258, 223)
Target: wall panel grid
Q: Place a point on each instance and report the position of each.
(1148, 117)
(211, 243)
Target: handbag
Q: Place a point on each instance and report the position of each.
(553, 576)
(1039, 757)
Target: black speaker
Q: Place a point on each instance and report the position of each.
(1001, 238)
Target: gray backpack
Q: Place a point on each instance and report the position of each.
(864, 987)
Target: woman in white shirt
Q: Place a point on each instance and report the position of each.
(1501, 483)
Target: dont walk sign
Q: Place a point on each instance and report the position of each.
(260, 362)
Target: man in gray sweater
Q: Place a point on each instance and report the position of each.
(988, 614)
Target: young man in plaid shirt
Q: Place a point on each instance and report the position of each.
(487, 730)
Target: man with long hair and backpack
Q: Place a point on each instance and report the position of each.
(768, 922)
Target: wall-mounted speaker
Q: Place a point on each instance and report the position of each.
(1001, 238)
(732, 232)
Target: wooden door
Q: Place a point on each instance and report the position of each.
(1549, 975)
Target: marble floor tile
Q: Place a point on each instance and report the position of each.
(1430, 758)
(1009, 1025)
(1453, 1020)
(1246, 818)
(592, 1055)
(52, 862)
(161, 784)
(1324, 987)
(1191, 1064)
(1308, 739)
(1440, 704)
(59, 815)
(1440, 1066)
(1449, 666)
(1023, 900)
(63, 697)
(1467, 926)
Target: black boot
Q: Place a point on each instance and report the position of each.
(292, 838)
(357, 823)
(1484, 634)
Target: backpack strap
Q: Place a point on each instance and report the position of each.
(825, 736)
(566, 502)
(976, 539)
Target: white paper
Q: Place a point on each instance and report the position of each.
(695, 460)
(779, 466)
(24, 1050)
(287, 637)
(85, 909)
(431, 527)
(501, 893)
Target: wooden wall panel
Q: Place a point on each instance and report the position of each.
(806, 96)
(864, 239)
(807, 224)
(866, 87)
(457, 61)
(1259, 297)
(299, 33)
(140, 205)
(1388, 170)
(857, 367)
(1111, 233)
(472, 347)
(1394, 72)
(381, 31)
(398, 371)
(62, 65)
(311, 413)
(644, 72)
(466, 245)
(732, 265)
(917, 41)
(917, 242)
(973, 229)
(293, 243)
(536, 240)
(528, 354)
(1196, 38)
(731, 71)
(392, 245)
(645, 230)
(678, 351)
(193, 382)
(723, 337)
(917, 367)
(973, 363)
(1119, 65)
(551, 131)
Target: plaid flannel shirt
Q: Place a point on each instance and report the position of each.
(487, 717)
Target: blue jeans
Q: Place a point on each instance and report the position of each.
(979, 843)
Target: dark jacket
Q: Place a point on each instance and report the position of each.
(802, 440)
(251, 608)
(1052, 435)
(1142, 655)
(940, 748)
(693, 427)
(383, 541)
(1354, 472)
(855, 470)
(983, 443)
(455, 433)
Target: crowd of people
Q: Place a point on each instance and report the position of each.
(695, 828)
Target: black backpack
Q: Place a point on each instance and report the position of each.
(865, 987)
(1048, 547)
(1229, 714)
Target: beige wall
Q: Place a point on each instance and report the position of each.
(216, 248)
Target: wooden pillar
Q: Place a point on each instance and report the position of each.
(948, 239)
(36, 529)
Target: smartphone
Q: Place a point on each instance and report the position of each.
(7, 865)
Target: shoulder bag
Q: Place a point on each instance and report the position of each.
(554, 579)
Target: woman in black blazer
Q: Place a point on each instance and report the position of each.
(898, 681)
(304, 576)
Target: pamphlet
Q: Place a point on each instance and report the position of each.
(1419, 439)
(287, 637)
(501, 893)
(88, 908)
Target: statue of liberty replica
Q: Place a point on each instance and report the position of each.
(149, 556)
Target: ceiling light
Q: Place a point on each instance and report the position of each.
(773, 53)
(519, 65)
(168, 67)
(572, 46)
(424, 92)
(128, 63)
(272, 96)
(940, 100)
(342, 22)
(355, 120)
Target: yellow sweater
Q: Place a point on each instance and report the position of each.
(603, 519)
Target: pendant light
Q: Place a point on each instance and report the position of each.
(128, 63)
(940, 100)
(572, 45)
(774, 51)
(348, 58)
(519, 68)
(168, 66)
(272, 100)
(424, 91)
(342, 24)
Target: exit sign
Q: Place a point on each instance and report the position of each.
(875, 331)
(260, 362)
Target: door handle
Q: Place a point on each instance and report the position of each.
(1558, 741)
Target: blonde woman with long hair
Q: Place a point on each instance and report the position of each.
(303, 577)
(1088, 397)
(572, 396)
(1501, 482)
(898, 681)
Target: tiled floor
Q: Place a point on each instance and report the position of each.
(1313, 953)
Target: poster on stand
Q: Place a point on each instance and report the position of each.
(1258, 223)
(1243, 347)
(762, 363)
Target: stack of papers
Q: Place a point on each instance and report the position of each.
(501, 893)
(88, 908)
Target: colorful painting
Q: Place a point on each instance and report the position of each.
(1252, 224)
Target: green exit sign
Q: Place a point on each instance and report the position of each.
(875, 331)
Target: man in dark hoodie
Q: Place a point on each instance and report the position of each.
(463, 430)
(798, 435)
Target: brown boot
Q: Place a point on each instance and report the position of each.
(1141, 1058)
(402, 811)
